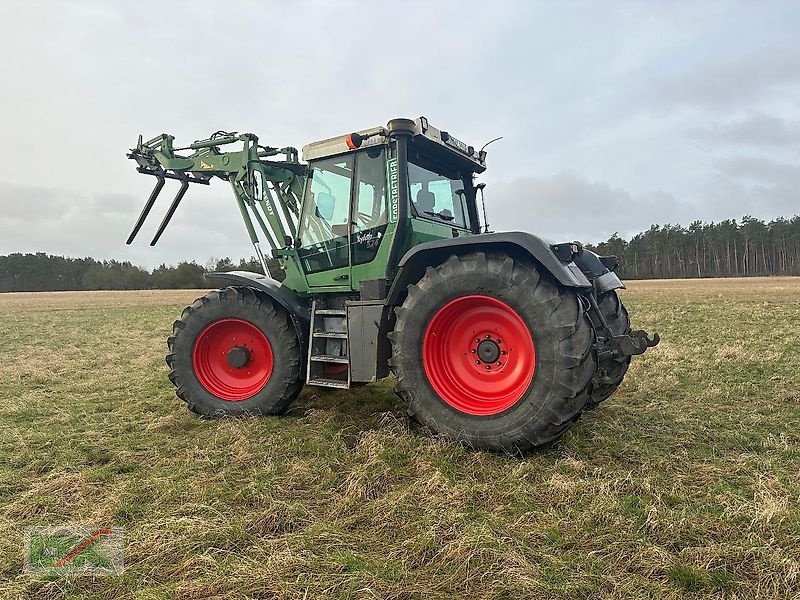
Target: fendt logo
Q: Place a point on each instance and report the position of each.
(394, 186)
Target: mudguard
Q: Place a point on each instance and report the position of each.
(516, 243)
(298, 310)
(592, 265)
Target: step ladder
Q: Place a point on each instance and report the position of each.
(328, 357)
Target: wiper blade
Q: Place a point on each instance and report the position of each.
(442, 215)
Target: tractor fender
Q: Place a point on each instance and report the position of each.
(603, 278)
(298, 310)
(517, 243)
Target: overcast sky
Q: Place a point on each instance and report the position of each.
(614, 115)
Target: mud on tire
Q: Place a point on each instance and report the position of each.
(562, 338)
(236, 304)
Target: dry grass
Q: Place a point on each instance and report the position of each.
(683, 484)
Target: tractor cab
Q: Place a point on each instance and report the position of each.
(371, 195)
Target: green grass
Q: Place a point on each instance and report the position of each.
(683, 484)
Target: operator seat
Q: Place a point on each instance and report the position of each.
(425, 201)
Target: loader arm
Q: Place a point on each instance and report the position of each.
(268, 191)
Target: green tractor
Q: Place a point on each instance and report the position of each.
(381, 261)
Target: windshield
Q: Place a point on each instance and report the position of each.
(437, 197)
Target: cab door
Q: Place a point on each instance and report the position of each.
(369, 217)
(325, 224)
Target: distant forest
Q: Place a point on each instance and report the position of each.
(747, 248)
(42, 272)
(727, 249)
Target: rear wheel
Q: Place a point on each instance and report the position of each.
(234, 352)
(489, 352)
(610, 372)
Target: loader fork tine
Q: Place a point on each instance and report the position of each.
(147, 208)
(173, 207)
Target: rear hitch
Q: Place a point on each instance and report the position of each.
(613, 346)
(632, 344)
(636, 342)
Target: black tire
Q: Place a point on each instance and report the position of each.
(610, 372)
(561, 333)
(286, 378)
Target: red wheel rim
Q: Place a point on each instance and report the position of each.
(478, 355)
(232, 359)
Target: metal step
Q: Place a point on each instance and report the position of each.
(330, 358)
(328, 324)
(331, 334)
(325, 382)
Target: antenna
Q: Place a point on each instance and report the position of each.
(482, 151)
(490, 142)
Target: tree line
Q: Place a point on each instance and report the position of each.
(41, 272)
(750, 247)
(726, 249)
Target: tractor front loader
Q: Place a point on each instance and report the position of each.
(380, 261)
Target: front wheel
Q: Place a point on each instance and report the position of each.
(490, 352)
(233, 352)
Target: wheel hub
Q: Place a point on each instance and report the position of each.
(238, 357)
(488, 351)
(232, 359)
(478, 355)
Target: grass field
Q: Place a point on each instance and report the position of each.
(683, 484)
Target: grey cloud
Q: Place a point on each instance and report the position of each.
(580, 87)
(731, 197)
(761, 169)
(754, 185)
(734, 81)
(63, 222)
(25, 203)
(753, 130)
(567, 206)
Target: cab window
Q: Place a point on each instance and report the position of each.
(437, 197)
(370, 212)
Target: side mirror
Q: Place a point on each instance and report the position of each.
(325, 205)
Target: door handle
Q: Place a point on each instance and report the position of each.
(341, 277)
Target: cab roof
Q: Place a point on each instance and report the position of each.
(439, 144)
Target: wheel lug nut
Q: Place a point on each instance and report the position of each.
(473, 350)
(499, 364)
(477, 362)
(499, 341)
(477, 341)
(488, 368)
(488, 336)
